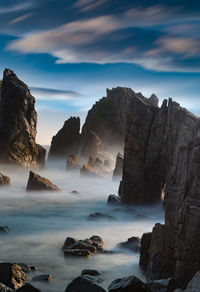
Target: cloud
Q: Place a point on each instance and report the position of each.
(16, 8)
(53, 94)
(88, 5)
(20, 18)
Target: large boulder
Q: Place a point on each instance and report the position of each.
(28, 288)
(12, 275)
(67, 140)
(83, 284)
(39, 183)
(128, 284)
(18, 124)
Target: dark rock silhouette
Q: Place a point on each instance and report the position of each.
(67, 140)
(12, 275)
(83, 283)
(28, 288)
(117, 173)
(18, 122)
(128, 284)
(38, 183)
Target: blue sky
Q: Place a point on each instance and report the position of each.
(69, 52)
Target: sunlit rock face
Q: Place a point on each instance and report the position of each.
(153, 139)
(105, 125)
(67, 140)
(175, 249)
(18, 121)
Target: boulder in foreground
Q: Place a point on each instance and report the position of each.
(12, 275)
(83, 284)
(128, 284)
(28, 288)
(39, 183)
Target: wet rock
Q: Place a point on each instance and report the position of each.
(12, 275)
(75, 192)
(82, 248)
(67, 140)
(94, 275)
(18, 124)
(28, 288)
(194, 284)
(4, 288)
(133, 243)
(26, 268)
(128, 284)
(4, 180)
(144, 251)
(117, 173)
(42, 278)
(81, 284)
(4, 229)
(73, 162)
(96, 216)
(163, 285)
(113, 200)
(38, 183)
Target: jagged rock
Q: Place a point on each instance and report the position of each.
(4, 288)
(26, 268)
(67, 140)
(153, 100)
(87, 170)
(42, 278)
(113, 200)
(28, 288)
(81, 284)
(4, 229)
(117, 173)
(85, 248)
(151, 146)
(12, 275)
(128, 284)
(163, 285)
(73, 162)
(133, 243)
(144, 251)
(4, 180)
(39, 183)
(96, 216)
(18, 124)
(175, 250)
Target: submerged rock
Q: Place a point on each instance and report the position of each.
(73, 162)
(42, 278)
(82, 248)
(96, 216)
(12, 275)
(28, 288)
(128, 284)
(67, 140)
(4, 180)
(133, 243)
(18, 124)
(38, 183)
(113, 200)
(83, 284)
(117, 173)
(4, 229)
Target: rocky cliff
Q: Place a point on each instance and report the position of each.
(153, 138)
(105, 125)
(18, 122)
(67, 140)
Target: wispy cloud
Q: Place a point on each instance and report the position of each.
(20, 18)
(16, 8)
(53, 94)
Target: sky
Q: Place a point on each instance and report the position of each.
(69, 51)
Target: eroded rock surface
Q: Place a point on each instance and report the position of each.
(12, 275)
(18, 124)
(4, 180)
(39, 183)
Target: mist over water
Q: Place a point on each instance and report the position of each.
(39, 222)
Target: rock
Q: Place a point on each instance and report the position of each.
(128, 284)
(117, 173)
(194, 284)
(12, 275)
(73, 162)
(96, 216)
(42, 278)
(27, 268)
(114, 200)
(153, 100)
(75, 192)
(133, 243)
(82, 248)
(4, 180)
(67, 140)
(94, 275)
(163, 285)
(28, 288)
(107, 163)
(4, 229)
(151, 146)
(18, 124)
(38, 183)
(144, 251)
(98, 162)
(81, 284)
(4, 288)
(87, 170)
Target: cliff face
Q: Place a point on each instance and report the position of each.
(18, 121)
(67, 140)
(106, 121)
(178, 253)
(153, 139)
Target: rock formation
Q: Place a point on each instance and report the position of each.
(83, 283)
(73, 162)
(38, 183)
(18, 121)
(117, 173)
(128, 284)
(12, 275)
(153, 139)
(105, 125)
(67, 140)
(4, 180)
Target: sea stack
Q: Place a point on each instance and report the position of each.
(18, 122)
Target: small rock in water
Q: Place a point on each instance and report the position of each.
(38, 183)
(97, 215)
(28, 288)
(113, 199)
(4, 180)
(75, 192)
(128, 284)
(26, 268)
(4, 229)
(83, 284)
(42, 278)
(133, 243)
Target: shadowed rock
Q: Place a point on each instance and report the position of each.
(113, 200)
(4, 180)
(28, 288)
(4, 229)
(18, 124)
(73, 162)
(117, 173)
(39, 183)
(12, 275)
(133, 243)
(128, 284)
(4, 288)
(83, 284)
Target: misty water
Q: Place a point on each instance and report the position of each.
(39, 222)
